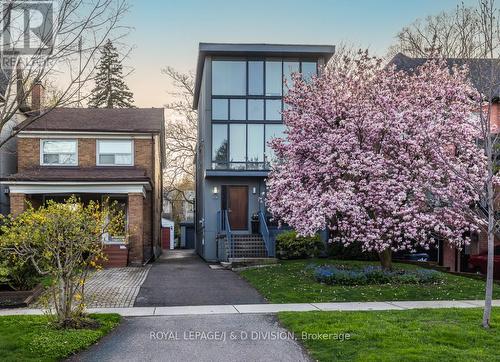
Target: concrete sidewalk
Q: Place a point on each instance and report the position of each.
(270, 308)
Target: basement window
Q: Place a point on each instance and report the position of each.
(114, 153)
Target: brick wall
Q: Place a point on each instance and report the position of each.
(17, 203)
(147, 226)
(135, 228)
(28, 150)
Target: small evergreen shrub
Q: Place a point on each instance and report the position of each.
(289, 245)
(373, 275)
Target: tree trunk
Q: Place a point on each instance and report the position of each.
(491, 246)
(386, 259)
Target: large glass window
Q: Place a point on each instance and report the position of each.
(255, 109)
(308, 70)
(273, 131)
(220, 109)
(273, 109)
(237, 145)
(238, 109)
(255, 78)
(114, 152)
(229, 77)
(288, 69)
(255, 143)
(219, 145)
(59, 152)
(274, 78)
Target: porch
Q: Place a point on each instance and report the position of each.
(133, 198)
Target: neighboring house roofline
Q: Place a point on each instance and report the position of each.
(480, 70)
(239, 49)
(117, 120)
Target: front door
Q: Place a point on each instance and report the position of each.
(237, 206)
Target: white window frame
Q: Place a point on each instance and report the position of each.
(116, 240)
(42, 163)
(132, 158)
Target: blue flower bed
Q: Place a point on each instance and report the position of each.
(373, 275)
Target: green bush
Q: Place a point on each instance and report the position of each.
(18, 275)
(289, 245)
(353, 251)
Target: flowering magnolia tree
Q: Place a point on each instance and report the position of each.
(376, 156)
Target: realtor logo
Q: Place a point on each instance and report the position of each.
(27, 27)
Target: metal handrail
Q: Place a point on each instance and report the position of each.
(229, 233)
(264, 231)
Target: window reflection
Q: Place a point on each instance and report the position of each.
(219, 109)
(229, 77)
(238, 109)
(273, 109)
(219, 145)
(255, 143)
(237, 143)
(256, 109)
(255, 78)
(274, 80)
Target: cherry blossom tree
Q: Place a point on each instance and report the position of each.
(378, 156)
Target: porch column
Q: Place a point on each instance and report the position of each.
(17, 203)
(135, 228)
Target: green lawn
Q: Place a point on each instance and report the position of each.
(409, 335)
(33, 338)
(292, 282)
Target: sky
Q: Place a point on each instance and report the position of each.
(167, 33)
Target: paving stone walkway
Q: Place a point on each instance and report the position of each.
(114, 287)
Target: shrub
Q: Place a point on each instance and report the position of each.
(353, 251)
(372, 275)
(289, 245)
(62, 241)
(18, 275)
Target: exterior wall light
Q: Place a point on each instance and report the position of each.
(215, 190)
(254, 190)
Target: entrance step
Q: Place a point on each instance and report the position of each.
(246, 246)
(246, 262)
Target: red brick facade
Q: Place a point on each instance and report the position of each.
(144, 211)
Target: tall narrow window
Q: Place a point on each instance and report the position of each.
(229, 77)
(59, 152)
(273, 109)
(219, 145)
(255, 146)
(237, 146)
(255, 78)
(274, 79)
(308, 70)
(289, 68)
(114, 153)
(273, 131)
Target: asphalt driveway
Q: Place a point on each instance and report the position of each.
(183, 278)
(197, 338)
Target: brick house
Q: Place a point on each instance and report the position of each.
(96, 154)
(480, 71)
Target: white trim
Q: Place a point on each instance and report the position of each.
(73, 134)
(31, 188)
(132, 148)
(42, 140)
